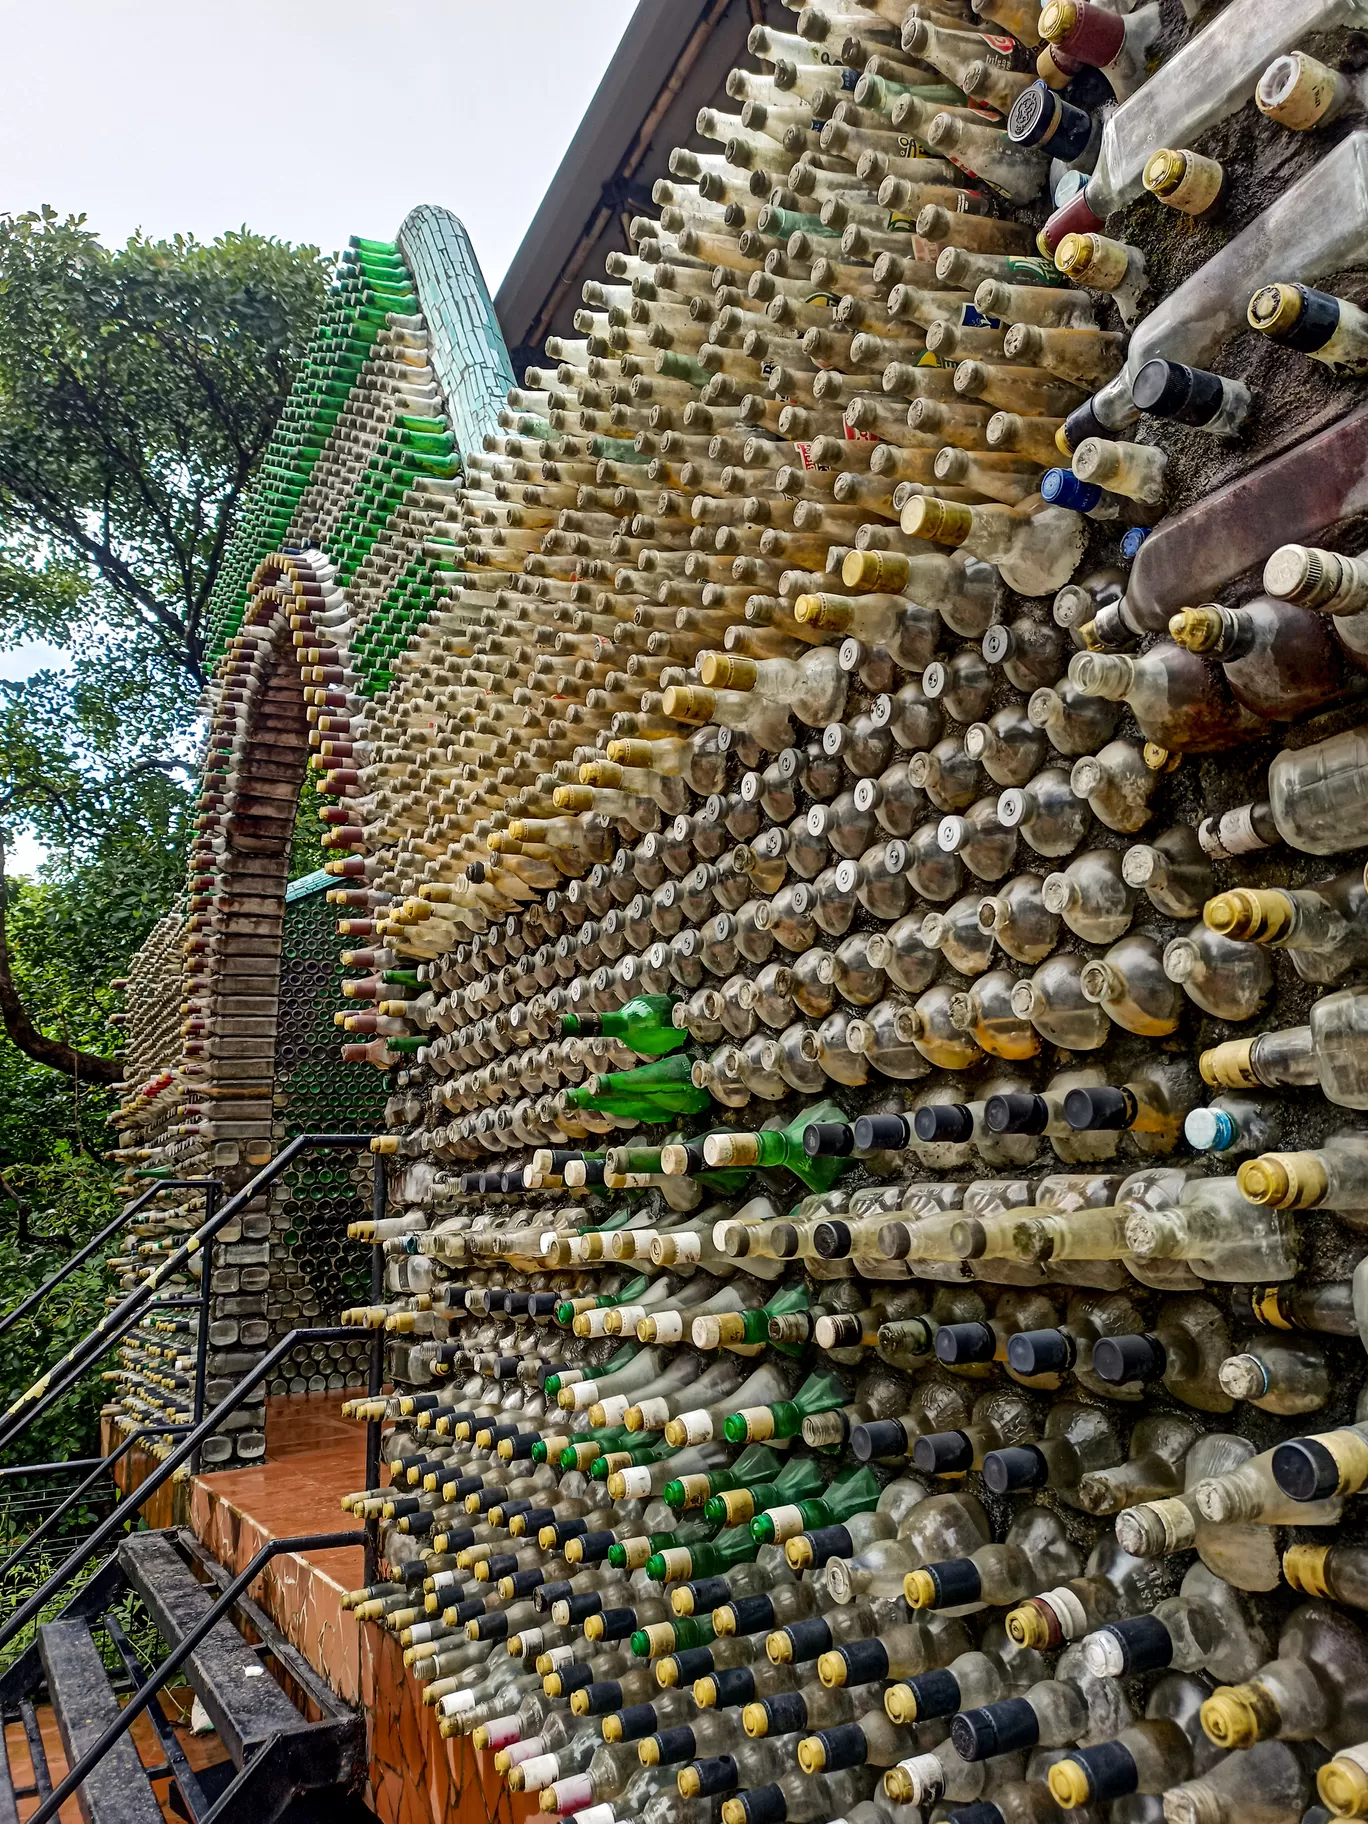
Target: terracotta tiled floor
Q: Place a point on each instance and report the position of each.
(200, 1751)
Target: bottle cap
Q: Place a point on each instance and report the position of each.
(828, 1140)
(1016, 1113)
(1295, 316)
(1092, 1110)
(943, 1453)
(947, 1585)
(957, 1344)
(1209, 1130)
(994, 1729)
(873, 1132)
(1117, 1359)
(1033, 1352)
(1019, 1466)
(1132, 540)
(877, 1439)
(1169, 389)
(1062, 488)
(1305, 1470)
(943, 1121)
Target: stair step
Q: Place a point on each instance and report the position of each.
(83, 1702)
(247, 1706)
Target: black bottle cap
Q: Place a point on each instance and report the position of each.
(982, 1811)
(553, 1592)
(1305, 1471)
(605, 1695)
(764, 1805)
(733, 1685)
(542, 1304)
(459, 1539)
(1168, 389)
(1082, 423)
(1034, 115)
(785, 1712)
(675, 1745)
(535, 1518)
(1018, 1113)
(843, 1746)
(617, 1624)
(832, 1240)
(524, 1582)
(468, 1610)
(943, 1453)
(579, 1677)
(501, 1564)
(1316, 322)
(566, 1530)
(828, 1140)
(708, 1593)
(1128, 1358)
(935, 1693)
(889, 1132)
(717, 1774)
(943, 1121)
(995, 1729)
(583, 1604)
(1090, 1110)
(956, 1582)
(491, 1627)
(1040, 1351)
(1111, 1771)
(1019, 1466)
(878, 1438)
(636, 1722)
(1146, 1644)
(691, 1663)
(865, 1661)
(960, 1343)
(827, 1542)
(751, 1614)
(594, 1547)
(811, 1637)
(521, 1447)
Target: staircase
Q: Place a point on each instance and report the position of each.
(288, 1737)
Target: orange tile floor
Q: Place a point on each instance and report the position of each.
(312, 1458)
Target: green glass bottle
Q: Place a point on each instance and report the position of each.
(857, 1493)
(644, 1025)
(606, 1438)
(675, 1562)
(799, 1477)
(632, 1554)
(652, 1093)
(569, 1309)
(756, 1463)
(677, 1636)
(784, 1419)
(619, 1161)
(619, 1359)
(773, 1146)
(644, 1448)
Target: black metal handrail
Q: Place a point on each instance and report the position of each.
(113, 1524)
(102, 1465)
(22, 1412)
(142, 1697)
(55, 1391)
(79, 1259)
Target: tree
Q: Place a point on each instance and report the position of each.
(138, 390)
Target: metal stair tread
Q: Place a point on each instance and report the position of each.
(246, 1704)
(117, 1791)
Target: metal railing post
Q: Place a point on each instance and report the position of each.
(202, 1332)
(19, 1415)
(78, 1259)
(109, 1527)
(142, 1697)
(376, 1378)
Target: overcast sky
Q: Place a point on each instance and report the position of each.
(305, 119)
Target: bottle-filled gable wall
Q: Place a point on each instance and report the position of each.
(862, 960)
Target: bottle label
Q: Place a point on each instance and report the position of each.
(636, 1482)
(696, 1426)
(613, 1408)
(787, 1522)
(669, 1327)
(654, 1413)
(455, 1703)
(539, 1771)
(688, 1251)
(501, 1732)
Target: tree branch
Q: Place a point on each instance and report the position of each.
(21, 1031)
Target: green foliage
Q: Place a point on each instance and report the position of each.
(138, 389)
(307, 853)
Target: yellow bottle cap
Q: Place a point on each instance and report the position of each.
(1343, 1786)
(1070, 1786)
(811, 1754)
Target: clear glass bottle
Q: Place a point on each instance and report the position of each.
(1315, 1688)
(1180, 700)
(1220, 1234)
(1130, 984)
(1091, 896)
(1172, 872)
(1018, 920)
(1226, 978)
(1054, 1002)
(1278, 1376)
(1325, 926)
(1282, 661)
(1118, 784)
(1049, 814)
